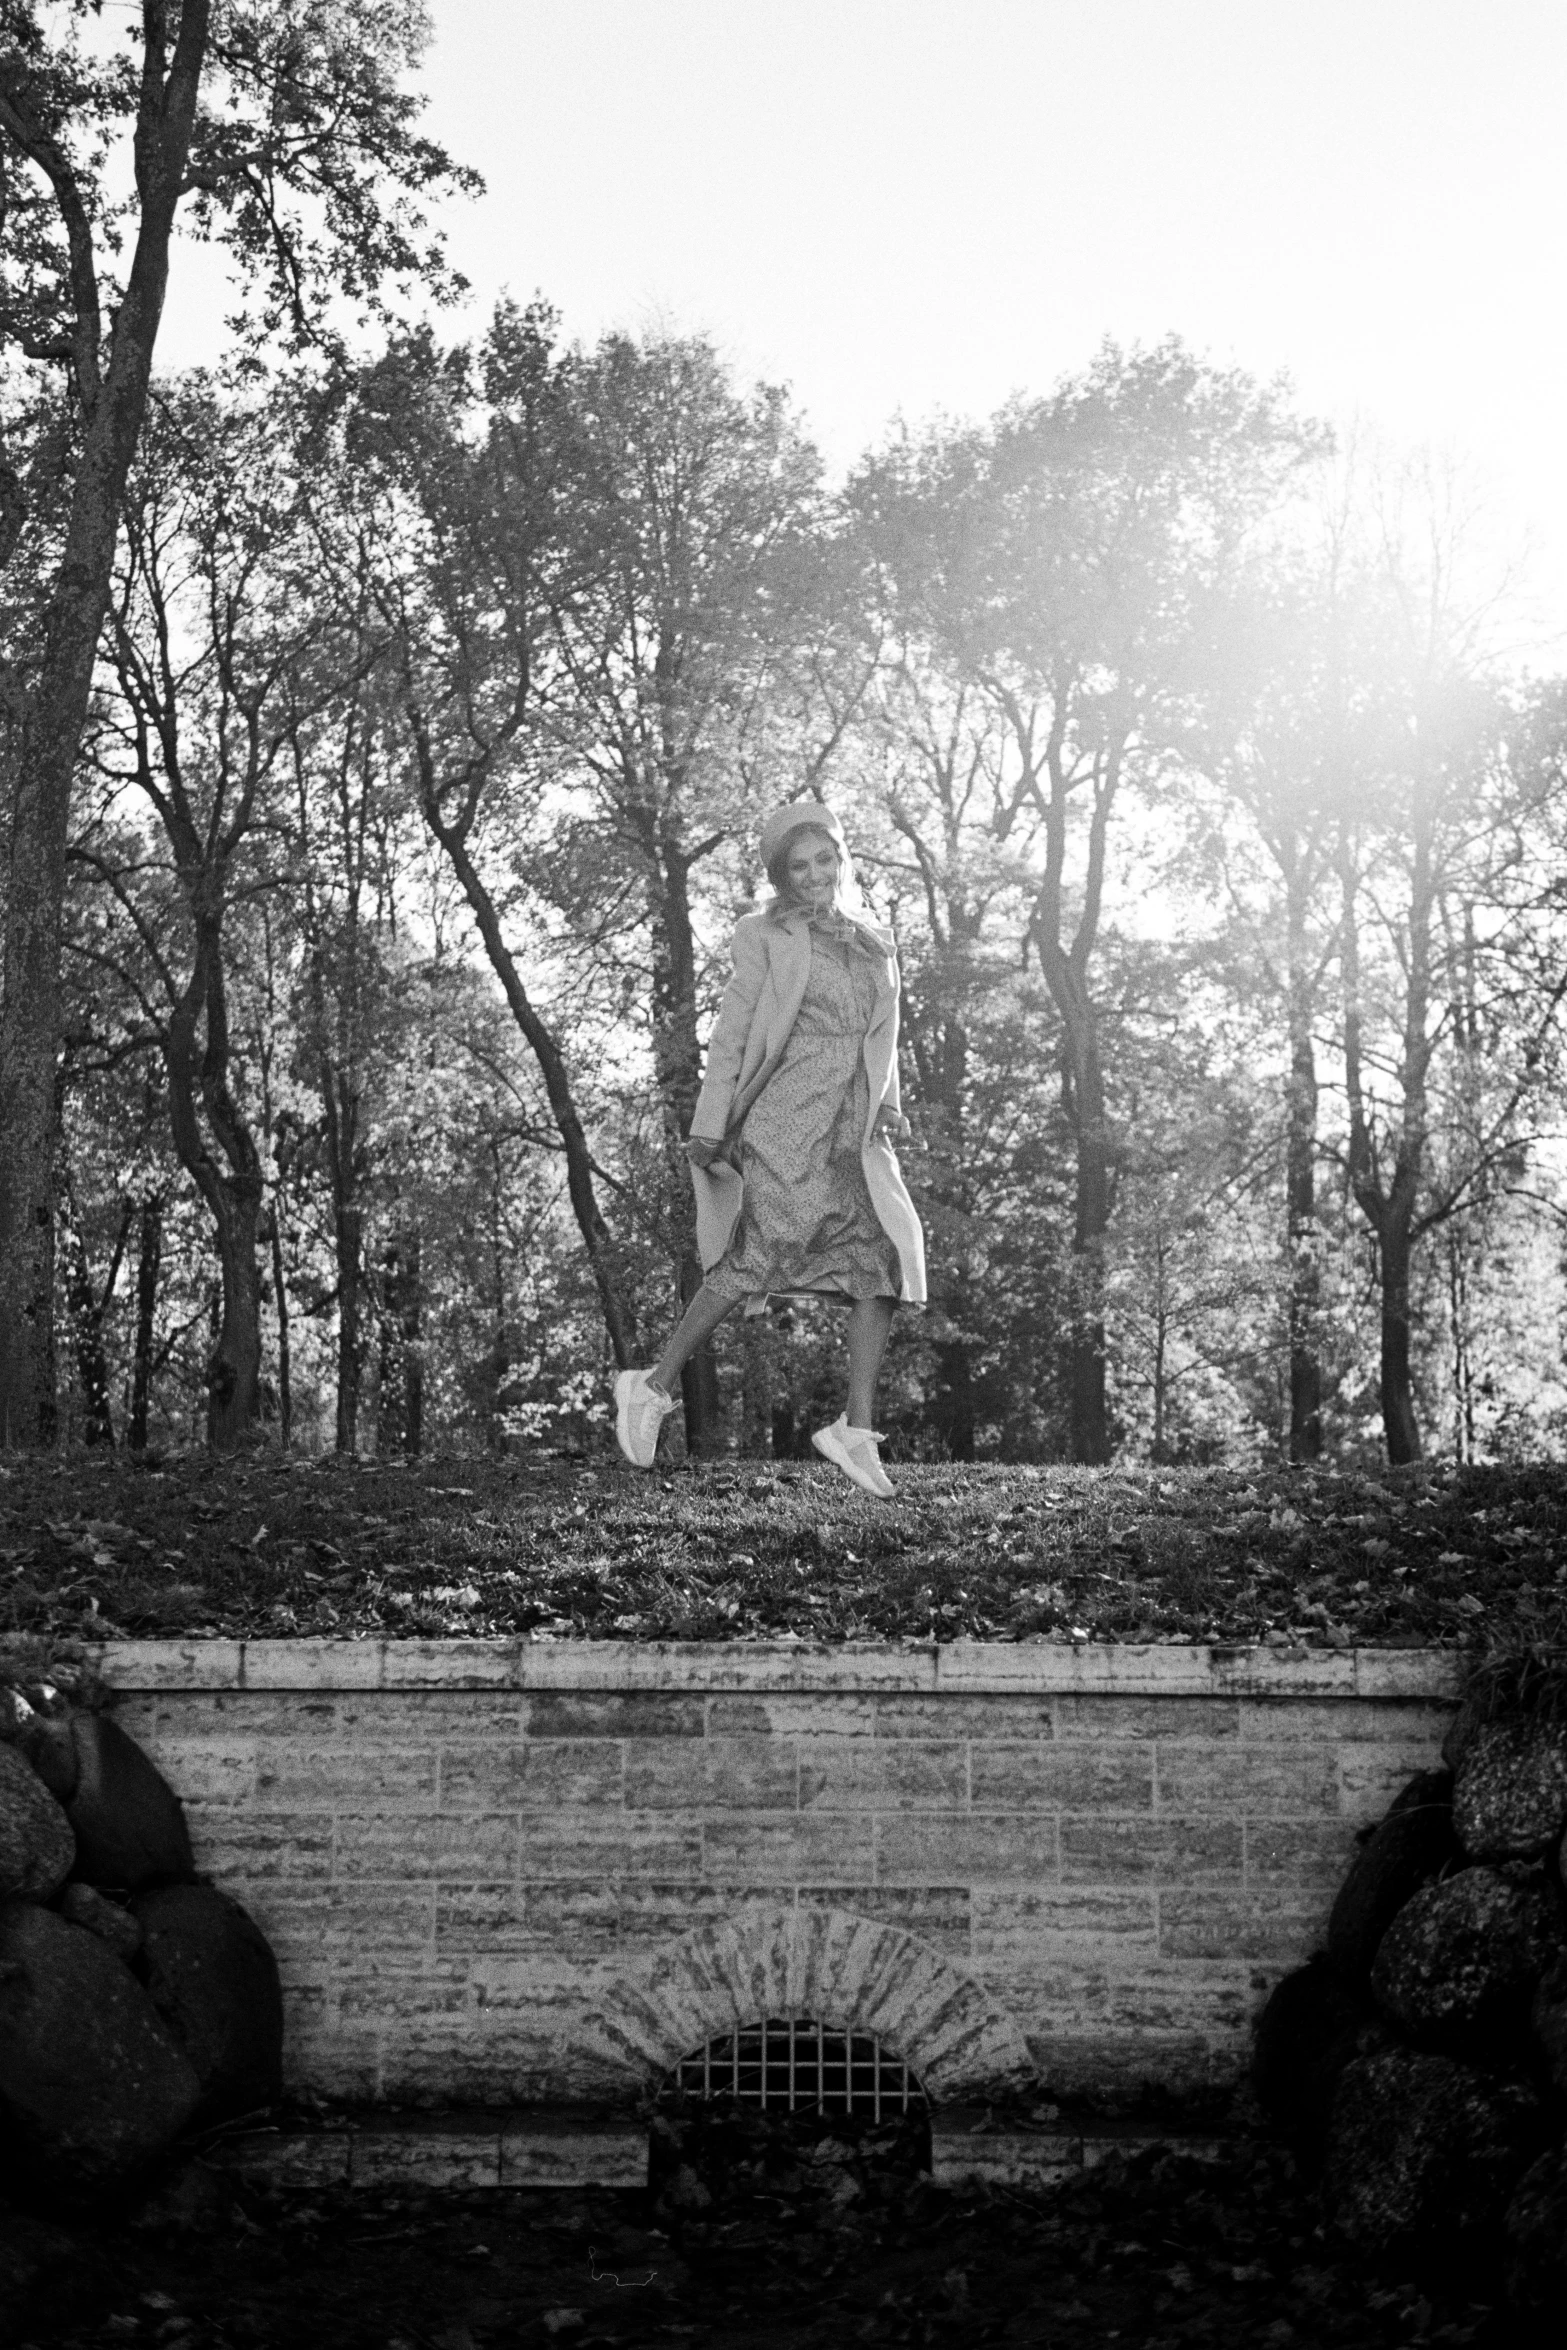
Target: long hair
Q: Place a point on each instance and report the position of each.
(851, 899)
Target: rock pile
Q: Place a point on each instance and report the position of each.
(134, 1999)
(1421, 2059)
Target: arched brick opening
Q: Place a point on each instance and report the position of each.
(850, 1972)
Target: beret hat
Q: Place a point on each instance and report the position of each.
(794, 818)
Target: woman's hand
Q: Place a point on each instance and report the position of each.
(702, 1150)
(891, 1125)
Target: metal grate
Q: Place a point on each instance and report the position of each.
(793, 2065)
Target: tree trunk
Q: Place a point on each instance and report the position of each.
(234, 1371)
(86, 1309)
(1066, 969)
(603, 1256)
(1463, 1352)
(401, 1398)
(342, 1135)
(1388, 1201)
(412, 1318)
(31, 1013)
(677, 1067)
(149, 1254)
(1400, 1427)
(1086, 1345)
(233, 1197)
(285, 1377)
(759, 1340)
(952, 1412)
(1305, 1431)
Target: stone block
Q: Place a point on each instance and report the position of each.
(216, 1769)
(431, 2158)
(1162, 1851)
(1240, 1924)
(448, 1717)
(968, 2150)
(654, 1913)
(530, 1778)
(938, 1914)
(328, 1778)
(448, 1664)
(712, 1668)
(539, 1985)
(1240, 1779)
(1147, 1717)
(718, 1774)
(797, 1714)
(1103, 2064)
(973, 1849)
(1068, 1776)
(571, 1843)
(1217, 2001)
(789, 1850)
(400, 2001)
(1371, 1775)
(172, 1664)
(331, 1923)
(1020, 1714)
(1301, 1852)
(1345, 1721)
(449, 1845)
(588, 1713)
(1436, 1675)
(313, 1664)
(838, 1774)
(563, 2150)
(577, 1915)
(1012, 1924)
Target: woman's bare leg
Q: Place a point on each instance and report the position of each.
(700, 1319)
(870, 1324)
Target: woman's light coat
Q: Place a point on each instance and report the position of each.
(772, 962)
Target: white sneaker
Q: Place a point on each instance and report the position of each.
(853, 1450)
(640, 1409)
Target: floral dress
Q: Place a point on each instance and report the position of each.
(806, 1222)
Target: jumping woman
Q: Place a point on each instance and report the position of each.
(798, 1189)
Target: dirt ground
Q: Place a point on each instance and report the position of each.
(750, 2236)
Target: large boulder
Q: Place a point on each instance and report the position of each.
(1458, 1966)
(211, 1975)
(1312, 2026)
(129, 1823)
(1549, 2019)
(1537, 2238)
(93, 2084)
(1510, 1789)
(94, 1911)
(36, 1844)
(1411, 1845)
(1421, 2148)
(43, 1732)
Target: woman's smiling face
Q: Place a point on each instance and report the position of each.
(812, 870)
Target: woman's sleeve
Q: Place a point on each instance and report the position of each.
(726, 1045)
(892, 1099)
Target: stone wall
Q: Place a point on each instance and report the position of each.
(501, 1871)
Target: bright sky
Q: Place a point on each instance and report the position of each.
(921, 204)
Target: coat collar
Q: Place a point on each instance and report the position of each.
(800, 923)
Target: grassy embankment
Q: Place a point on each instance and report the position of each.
(96, 1546)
